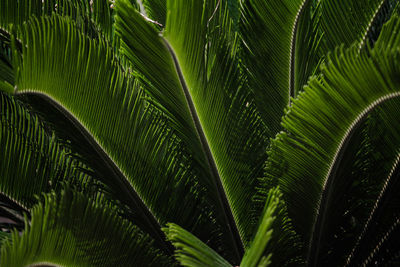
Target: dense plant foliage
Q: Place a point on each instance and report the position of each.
(199, 133)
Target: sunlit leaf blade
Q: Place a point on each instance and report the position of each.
(351, 86)
(191, 251)
(152, 57)
(359, 175)
(218, 91)
(385, 12)
(268, 29)
(388, 39)
(71, 230)
(83, 79)
(220, 105)
(380, 200)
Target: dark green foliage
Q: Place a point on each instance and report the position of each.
(199, 133)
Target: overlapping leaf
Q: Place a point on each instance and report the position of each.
(269, 30)
(319, 124)
(196, 78)
(82, 78)
(191, 251)
(68, 229)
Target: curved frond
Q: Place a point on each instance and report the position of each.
(6, 70)
(93, 17)
(203, 93)
(379, 207)
(269, 31)
(83, 79)
(318, 125)
(306, 55)
(191, 251)
(71, 230)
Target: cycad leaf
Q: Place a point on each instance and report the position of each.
(307, 56)
(191, 251)
(359, 175)
(319, 123)
(224, 105)
(269, 30)
(6, 69)
(196, 79)
(156, 10)
(71, 230)
(382, 202)
(82, 79)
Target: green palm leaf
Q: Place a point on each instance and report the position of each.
(335, 104)
(203, 94)
(93, 17)
(380, 201)
(139, 116)
(346, 22)
(93, 101)
(156, 10)
(68, 229)
(269, 33)
(191, 251)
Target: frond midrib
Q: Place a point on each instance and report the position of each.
(292, 65)
(110, 164)
(216, 177)
(327, 190)
(369, 27)
(394, 172)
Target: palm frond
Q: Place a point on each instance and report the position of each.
(93, 17)
(6, 70)
(71, 230)
(318, 126)
(306, 56)
(269, 32)
(379, 206)
(83, 80)
(349, 21)
(203, 94)
(191, 251)
(267, 246)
